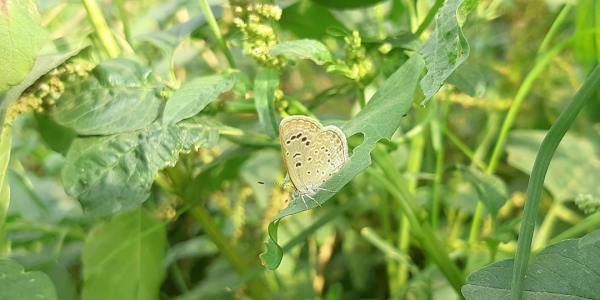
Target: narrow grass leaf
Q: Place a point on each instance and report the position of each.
(265, 84)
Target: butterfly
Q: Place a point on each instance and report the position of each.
(311, 154)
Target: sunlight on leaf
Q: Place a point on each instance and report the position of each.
(21, 38)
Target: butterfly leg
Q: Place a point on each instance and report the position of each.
(313, 199)
(304, 201)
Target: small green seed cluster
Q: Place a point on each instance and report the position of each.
(587, 203)
(356, 65)
(48, 89)
(255, 22)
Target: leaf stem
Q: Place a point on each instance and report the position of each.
(429, 17)
(255, 286)
(125, 20)
(214, 27)
(101, 28)
(538, 174)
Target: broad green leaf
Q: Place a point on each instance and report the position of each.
(265, 84)
(300, 17)
(109, 174)
(56, 136)
(575, 168)
(347, 4)
(15, 283)
(193, 96)
(273, 254)
(567, 270)
(445, 50)
(120, 95)
(43, 65)
(490, 189)
(587, 32)
(378, 120)
(21, 38)
(304, 49)
(122, 258)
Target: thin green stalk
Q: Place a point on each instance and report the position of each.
(256, 286)
(101, 28)
(553, 31)
(214, 27)
(415, 162)
(509, 120)
(421, 230)
(543, 234)
(538, 174)
(463, 148)
(587, 224)
(429, 17)
(360, 93)
(437, 126)
(387, 248)
(124, 20)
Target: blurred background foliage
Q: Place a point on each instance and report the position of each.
(200, 233)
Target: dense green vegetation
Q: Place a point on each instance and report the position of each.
(140, 156)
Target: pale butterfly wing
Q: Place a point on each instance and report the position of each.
(311, 153)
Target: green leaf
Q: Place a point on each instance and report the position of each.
(265, 84)
(490, 188)
(193, 96)
(300, 17)
(587, 32)
(21, 38)
(444, 51)
(113, 173)
(567, 270)
(304, 49)
(575, 168)
(273, 254)
(120, 95)
(122, 258)
(56, 136)
(15, 283)
(5, 146)
(379, 119)
(43, 65)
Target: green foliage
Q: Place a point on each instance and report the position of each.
(567, 270)
(575, 168)
(445, 50)
(18, 284)
(148, 167)
(113, 173)
(304, 49)
(120, 95)
(122, 258)
(491, 190)
(21, 38)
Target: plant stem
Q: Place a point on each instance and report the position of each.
(589, 223)
(509, 120)
(255, 286)
(214, 27)
(429, 17)
(101, 28)
(437, 126)
(463, 148)
(560, 19)
(125, 20)
(538, 174)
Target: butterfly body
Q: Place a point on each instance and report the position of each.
(312, 153)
